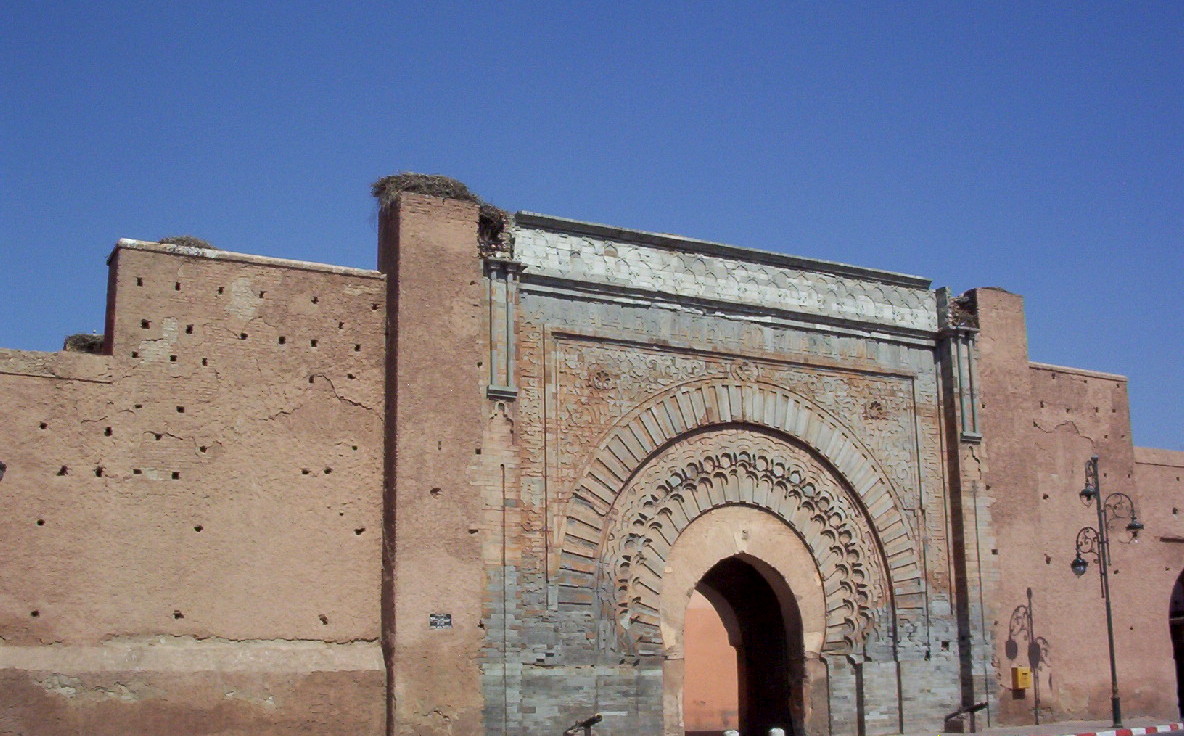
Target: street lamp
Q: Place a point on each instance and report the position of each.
(1096, 543)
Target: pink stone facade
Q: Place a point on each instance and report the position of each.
(475, 491)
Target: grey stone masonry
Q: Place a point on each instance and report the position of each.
(693, 269)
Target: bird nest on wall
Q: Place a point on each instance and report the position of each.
(83, 342)
(492, 221)
(187, 241)
(388, 188)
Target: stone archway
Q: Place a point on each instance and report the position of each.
(767, 546)
(708, 449)
(703, 405)
(738, 466)
(746, 493)
(1176, 627)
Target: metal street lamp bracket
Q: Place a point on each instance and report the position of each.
(1095, 543)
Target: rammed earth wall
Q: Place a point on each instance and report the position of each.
(192, 523)
(473, 491)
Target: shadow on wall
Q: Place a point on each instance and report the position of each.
(1036, 655)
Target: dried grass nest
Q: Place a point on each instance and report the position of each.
(492, 220)
(388, 188)
(189, 241)
(964, 311)
(83, 342)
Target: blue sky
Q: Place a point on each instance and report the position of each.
(1036, 146)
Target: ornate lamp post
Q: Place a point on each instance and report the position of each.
(1095, 542)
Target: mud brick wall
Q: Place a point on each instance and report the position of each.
(470, 491)
(192, 522)
(1041, 423)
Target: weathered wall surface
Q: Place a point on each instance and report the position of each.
(1041, 424)
(474, 492)
(1159, 493)
(437, 415)
(192, 523)
(629, 344)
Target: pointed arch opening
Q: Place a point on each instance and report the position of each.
(681, 416)
(753, 678)
(1176, 622)
(760, 577)
(737, 466)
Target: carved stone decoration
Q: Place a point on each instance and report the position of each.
(841, 498)
(601, 377)
(585, 414)
(894, 300)
(744, 370)
(729, 467)
(875, 410)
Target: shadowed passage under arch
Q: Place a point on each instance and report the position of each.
(764, 630)
(1176, 619)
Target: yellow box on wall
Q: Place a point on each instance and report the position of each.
(1021, 678)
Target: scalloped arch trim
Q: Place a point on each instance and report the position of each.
(664, 419)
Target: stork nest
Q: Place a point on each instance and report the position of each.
(491, 221)
(387, 189)
(964, 311)
(188, 241)
(83, 342)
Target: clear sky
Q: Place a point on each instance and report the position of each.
(1036, 146)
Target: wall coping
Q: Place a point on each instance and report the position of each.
(539, 221)
(61, 364)
(1077, 371)
(234, 257)
(1159, 456)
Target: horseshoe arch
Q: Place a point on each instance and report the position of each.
(710, 443)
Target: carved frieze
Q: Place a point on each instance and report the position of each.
(601, 506)
(811, 288)
(600, 382)
(579, 389)
(727, 467)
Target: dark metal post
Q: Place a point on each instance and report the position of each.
(1096, 542)
(1092, 480)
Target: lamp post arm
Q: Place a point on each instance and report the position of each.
(1092, 479)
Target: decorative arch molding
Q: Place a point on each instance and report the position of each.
(739, 467)
(675, 416)
(768, 545)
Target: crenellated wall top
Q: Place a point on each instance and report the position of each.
(686, 269)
